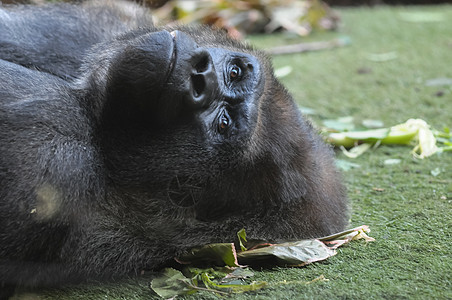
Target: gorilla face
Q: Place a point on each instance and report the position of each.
(168, 76)
(198, 98)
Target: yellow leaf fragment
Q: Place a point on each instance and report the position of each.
(356, 151)
(336, 240)
(362, 234)
(425, 140)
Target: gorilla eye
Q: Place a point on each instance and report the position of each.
(223, 123)
(235, 72)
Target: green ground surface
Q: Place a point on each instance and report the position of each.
(407, 208)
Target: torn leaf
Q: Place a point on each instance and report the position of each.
(298, 253)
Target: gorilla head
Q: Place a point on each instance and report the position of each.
(165, 139)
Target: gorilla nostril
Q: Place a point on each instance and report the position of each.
(198, 85)
(203, 64)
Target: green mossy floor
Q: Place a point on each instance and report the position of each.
(407, 208)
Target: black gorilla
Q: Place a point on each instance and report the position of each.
(122, 145)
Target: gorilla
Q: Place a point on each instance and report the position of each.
(124, 144)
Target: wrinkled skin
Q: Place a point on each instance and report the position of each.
(124, 145)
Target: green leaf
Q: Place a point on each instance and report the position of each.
(399, 136)
(340, 139)
(224, 280)
(372, 135)
(298, 253)
(172, 283)
(231, 288)
(217, 254)
(242, 239)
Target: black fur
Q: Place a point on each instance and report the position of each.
(110, 164)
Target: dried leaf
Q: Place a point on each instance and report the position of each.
(338, 239)
(242, 17)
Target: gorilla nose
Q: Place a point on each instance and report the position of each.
(194, 72)
(203, 79)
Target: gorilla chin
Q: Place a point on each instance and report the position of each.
(126, 144)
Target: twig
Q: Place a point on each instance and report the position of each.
(305, 47)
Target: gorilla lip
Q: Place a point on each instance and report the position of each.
(173, 55)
